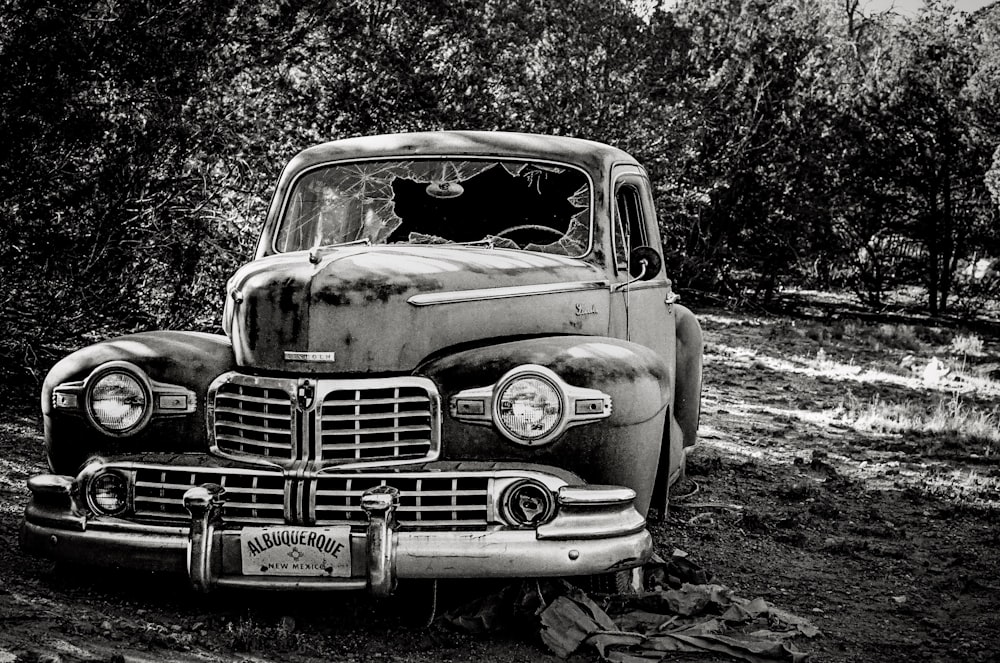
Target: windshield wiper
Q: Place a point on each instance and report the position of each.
(487, 242)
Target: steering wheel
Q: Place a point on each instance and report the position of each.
(528, 226)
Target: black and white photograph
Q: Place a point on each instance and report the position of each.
(452, 331)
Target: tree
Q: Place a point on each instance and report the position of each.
(728, 77)
(941, 153)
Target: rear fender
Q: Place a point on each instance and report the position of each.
(682, 430)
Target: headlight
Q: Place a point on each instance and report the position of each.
(119, 399)
(108, 493)
(529, 407)
(528, 503)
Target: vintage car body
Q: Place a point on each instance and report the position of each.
(437, 366)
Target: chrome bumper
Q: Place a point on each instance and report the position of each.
(597, 530)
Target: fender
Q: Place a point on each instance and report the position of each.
(623, 449)
(188, 359)
(687, 402)
(682, 430)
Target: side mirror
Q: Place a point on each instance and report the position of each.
(644, 263)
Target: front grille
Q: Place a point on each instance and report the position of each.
(375, 424)
(333, 422)
(426, 501)
(252, 497)
(254, 420)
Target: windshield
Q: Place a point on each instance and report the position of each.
(506, 204)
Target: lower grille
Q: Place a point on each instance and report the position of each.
(254, 497)
(424, 502)
(251, 497)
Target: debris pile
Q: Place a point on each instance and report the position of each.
(677, 616)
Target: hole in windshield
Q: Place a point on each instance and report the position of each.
(506, 204)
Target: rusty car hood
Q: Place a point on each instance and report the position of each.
(360, 309)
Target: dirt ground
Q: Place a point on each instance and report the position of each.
(849, 472)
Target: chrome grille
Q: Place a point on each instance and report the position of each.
(254, 420)
(282, 421)
(426, 501)
(252, 497)
(375, 424)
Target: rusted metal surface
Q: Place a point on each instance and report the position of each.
(363, 306)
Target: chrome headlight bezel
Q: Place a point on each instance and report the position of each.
(162, 399)
(577, 405)
(93, 482)
(557, 400)
(132, 372)
(509, 509)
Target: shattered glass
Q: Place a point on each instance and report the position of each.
(503, 204)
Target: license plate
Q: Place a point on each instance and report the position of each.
(296, 551)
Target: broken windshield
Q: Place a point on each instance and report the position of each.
(506, 204)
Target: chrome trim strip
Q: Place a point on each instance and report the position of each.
(481, 294)
(595, 495)
(312, 487)
(119, 525)
(646, 285)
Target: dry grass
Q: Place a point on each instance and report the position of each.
(967, 345)
(951, 418)
(898, 337)
(898, 407)
(249, 635)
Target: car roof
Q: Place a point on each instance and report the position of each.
(585, 153)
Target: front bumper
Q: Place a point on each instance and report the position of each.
(596, 531)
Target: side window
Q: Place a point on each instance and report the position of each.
(630, 227)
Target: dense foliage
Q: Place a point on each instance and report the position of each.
(790, 141)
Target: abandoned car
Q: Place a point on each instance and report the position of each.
(454, 355)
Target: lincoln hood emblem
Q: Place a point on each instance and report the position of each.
(305, 395)
(310, 356)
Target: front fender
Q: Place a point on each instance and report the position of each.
(622, 450)
(188, 359)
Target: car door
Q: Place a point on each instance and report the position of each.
(642, 311)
